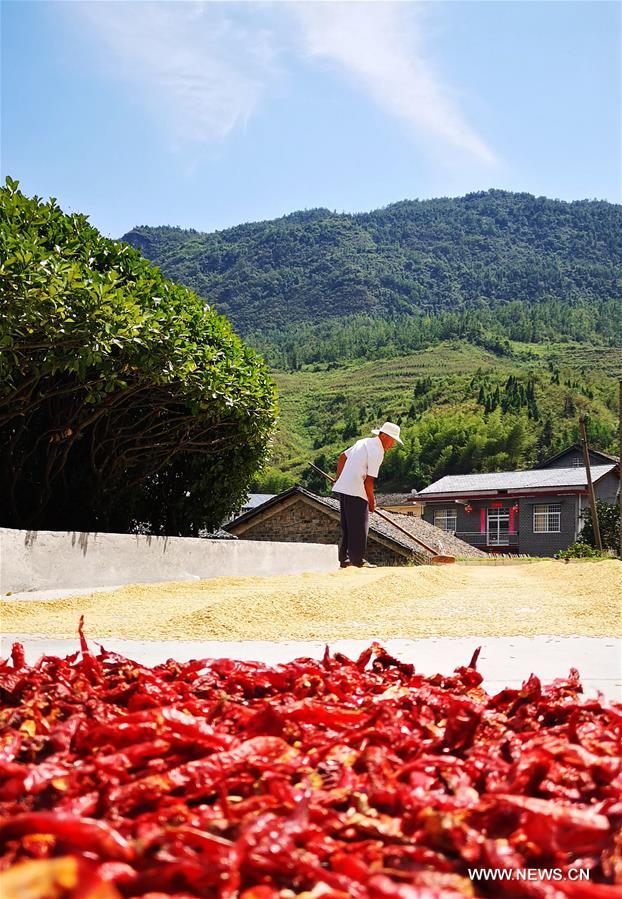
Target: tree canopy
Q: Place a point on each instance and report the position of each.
(608, 525)
(126, 401)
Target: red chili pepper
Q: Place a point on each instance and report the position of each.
(18, 656)
(185, 725)
(35, 778)
(200, 776)
(335, 777)
(261, 892)
(582, 889)
(10, 745)
(560, 828)
(384, 888)
(82, 833)
(80, 806)
(329, 715)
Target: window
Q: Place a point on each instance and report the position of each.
(446, 519)
(547, 518)
(577, 462)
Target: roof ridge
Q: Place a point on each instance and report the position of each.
(573, 476)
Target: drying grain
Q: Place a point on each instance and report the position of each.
(582, 599)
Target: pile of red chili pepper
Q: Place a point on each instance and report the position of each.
(331, 778)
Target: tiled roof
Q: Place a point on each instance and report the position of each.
(218, 534)
(394, 499)
(376, 525)
(515, 480)
(436, 538)
(442, 541)
(256, 499)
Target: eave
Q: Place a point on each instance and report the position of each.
(507, 494)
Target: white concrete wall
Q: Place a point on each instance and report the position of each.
(51, 560)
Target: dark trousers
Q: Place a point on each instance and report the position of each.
(354, 528)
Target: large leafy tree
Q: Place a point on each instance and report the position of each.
(125, 400)
(608, 525)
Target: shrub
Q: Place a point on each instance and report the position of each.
(608, 522)
(580, 550)
(124, 397)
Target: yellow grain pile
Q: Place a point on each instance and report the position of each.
(550, 597)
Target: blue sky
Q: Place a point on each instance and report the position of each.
(208, 114)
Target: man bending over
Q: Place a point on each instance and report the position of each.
(357, 468)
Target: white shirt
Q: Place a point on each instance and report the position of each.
(362, 459)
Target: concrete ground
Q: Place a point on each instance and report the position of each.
(504, 661)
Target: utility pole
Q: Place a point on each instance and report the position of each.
(590, 485)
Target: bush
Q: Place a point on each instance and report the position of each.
(609, 525)
(580, 550)
(124, 398)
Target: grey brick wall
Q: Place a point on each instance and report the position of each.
(467, 523)
(546, 544)
(301, 522)
(382, 555)
(537, 544)
(464, 521)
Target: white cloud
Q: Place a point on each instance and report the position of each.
(205, 67)
(190, 61)
(380, 44)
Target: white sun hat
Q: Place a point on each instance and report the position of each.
(391, 429)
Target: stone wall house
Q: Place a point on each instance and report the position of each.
(299, 516)
(536, 512)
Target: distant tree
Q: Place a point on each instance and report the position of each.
(313, 480)
(546, 438)
(271, 480)
(124, 398)
(570, 408)
(608, 523)
(317, 291)
(351, 428)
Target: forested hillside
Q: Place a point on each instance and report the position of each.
(462, 409)
(484, 325)
(539, 264)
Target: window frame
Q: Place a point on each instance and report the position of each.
(446, 513)
(544, 512)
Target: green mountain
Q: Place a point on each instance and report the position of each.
(484, 325)
(472, 254)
